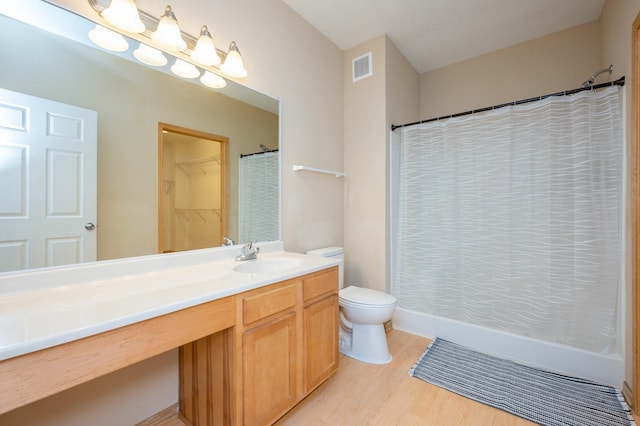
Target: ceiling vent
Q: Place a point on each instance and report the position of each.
(362, 67)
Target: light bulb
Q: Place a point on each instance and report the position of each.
(212, 80)
(233, 66)
(123, 14)
(150, 56)
(167, 34)
(184, 69)
(108, 39)
(205, 51)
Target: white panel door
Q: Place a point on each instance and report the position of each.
(48, 162)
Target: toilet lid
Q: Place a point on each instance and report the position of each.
(365, 296)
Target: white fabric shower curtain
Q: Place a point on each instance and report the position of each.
(511, 219)
(259, 197)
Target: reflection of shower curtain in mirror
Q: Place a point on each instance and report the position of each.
(259, 208)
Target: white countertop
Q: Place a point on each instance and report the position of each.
(46, 307)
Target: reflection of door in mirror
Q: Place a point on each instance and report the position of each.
(48, 155)
(192, 189)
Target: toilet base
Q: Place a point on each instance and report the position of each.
(348, 353)
(368, 344)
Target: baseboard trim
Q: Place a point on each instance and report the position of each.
(627, 393)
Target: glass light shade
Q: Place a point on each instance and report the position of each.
(205, 51)
(108, 39)
(123, 14)
(233, 66)
(212, 80)
(184, 69)
(150, 56)
(167, 34)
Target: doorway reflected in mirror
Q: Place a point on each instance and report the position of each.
(192, 189)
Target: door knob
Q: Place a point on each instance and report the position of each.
(89, 226)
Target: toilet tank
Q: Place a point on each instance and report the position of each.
(333, 252)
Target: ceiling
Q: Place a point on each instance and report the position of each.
(435, 33)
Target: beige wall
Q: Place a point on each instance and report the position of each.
(121, 398)
(545, 65)
(402, 88)
(365, 169)
(390, 95)
(402, 106)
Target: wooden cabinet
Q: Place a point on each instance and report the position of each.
(320, 341)
(321, 354)
(284, 345)
(270, 370)
(289, 343)
(269, 335)
(263, 303)
(205, 397)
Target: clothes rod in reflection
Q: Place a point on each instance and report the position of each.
(313, 169)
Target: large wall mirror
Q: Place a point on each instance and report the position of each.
(131, 99)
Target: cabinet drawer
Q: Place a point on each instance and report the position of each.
(320, 283)
(269, 302)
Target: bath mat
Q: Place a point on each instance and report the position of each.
(533, 394)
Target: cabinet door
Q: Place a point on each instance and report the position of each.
(320, 341)
(269, 370)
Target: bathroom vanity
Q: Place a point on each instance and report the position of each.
(285, 342)
(253, 340)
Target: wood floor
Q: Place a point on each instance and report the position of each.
(364, 394)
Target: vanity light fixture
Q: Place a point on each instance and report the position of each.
(150, 56)
(108, 39)
(184, 69)
(233, 66)
(124, 17)
(123, 14)
(205, 50)
(212, 80)
(167, 34)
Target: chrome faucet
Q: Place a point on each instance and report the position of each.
(227, 241)
(249, 252)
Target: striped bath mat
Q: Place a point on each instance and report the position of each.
(537, 395)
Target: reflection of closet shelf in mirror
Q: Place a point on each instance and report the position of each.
(168, 186)
(313, 169)
(186, 166)
(186, 214)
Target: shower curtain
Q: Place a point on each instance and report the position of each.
(259, 197)
(511, 219)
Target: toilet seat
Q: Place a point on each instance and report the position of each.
(365, 297)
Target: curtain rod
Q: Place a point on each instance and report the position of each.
(618, 82)
(258, 153)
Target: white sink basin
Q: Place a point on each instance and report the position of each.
(266, 265)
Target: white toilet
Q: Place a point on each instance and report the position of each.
(363, 313)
